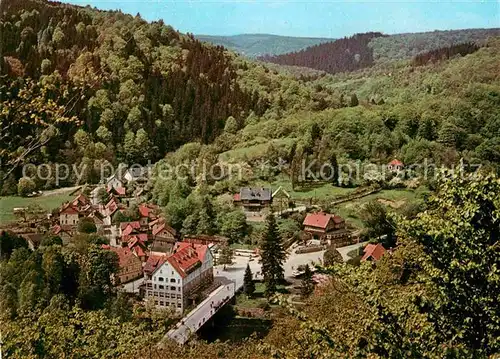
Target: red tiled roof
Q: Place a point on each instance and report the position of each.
(61, 228)
(185, 259)
(396, 163)
(375, 251)
(124, 254)
(201, 249)
(141, 237)
(134, 225)
(121, 191)
(144, 210)
(139, 251)
(69, 209)
(154, 261)
(163, 226)
(81, 199)
(319, 220)
(159, 220)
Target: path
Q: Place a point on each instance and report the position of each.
(59, 191)
(344, 250)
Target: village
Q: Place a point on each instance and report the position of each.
(159, 265)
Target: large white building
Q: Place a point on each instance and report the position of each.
(172, 280)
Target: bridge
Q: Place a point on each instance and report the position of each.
(195, 319)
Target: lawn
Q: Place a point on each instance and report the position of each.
(309, 190)
(49, 202)
(257, 300)
(393, 198)
(254, 151)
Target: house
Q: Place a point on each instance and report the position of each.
(98, 219)
(373, 252)
(65, 232)
(395, 166)
(147, 213)
(130, 266)
(114, 182)
(136, 174)
(172, 281)
(69, 215)
(33, 239)
(163, 237)
(281, 198)
(137, 244)
(80, 201)
(327, 227)
(117, 191)
(253, 199)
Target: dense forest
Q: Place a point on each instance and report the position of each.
(405, 46)
(132, 88)
(444, 53)
(343, 55)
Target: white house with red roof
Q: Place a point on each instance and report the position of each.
(395, 165)
(69, 215)
(327, 227)
(173, 280)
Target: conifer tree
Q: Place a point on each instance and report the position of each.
(272, 256)
(248, 284)
(307, 285)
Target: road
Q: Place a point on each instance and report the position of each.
(202, 313)
(344, 250)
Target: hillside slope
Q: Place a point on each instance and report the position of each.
(364, 50)
(254, 45)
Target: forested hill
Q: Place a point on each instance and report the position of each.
(83, 86)
(343, 55)
(254, 45)
(135, 89)
(364, 50)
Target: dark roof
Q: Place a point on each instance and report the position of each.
(261, 194)
(34, 238)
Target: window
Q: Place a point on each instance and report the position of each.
(161, 303)
(161, 287)
(178, 296)
(172, 280)
(172, 288)
(179, 305)
(178, 281)
(155, 286)
(172, 272)
(179, 289)
(160, 279)
(156, 302)
(162, 294)
(155, 294)
(150, 293)
(167, 295)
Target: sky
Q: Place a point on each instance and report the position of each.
(310, 18)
